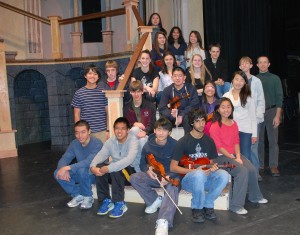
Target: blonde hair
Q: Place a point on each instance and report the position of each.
(245, 59)
(202, 73)
(112, 64)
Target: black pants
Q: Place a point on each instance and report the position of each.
(117, 181)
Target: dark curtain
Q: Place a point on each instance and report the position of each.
(242, 27)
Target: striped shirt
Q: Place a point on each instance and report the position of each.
(92, 103)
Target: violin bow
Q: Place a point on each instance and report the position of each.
(168, 194)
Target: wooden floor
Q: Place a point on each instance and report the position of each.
(31, 202)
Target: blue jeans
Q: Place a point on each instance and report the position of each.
(197, 182)
(254, 151)
(142, 183)
(245, 144)
(80, 183)
(221, 90)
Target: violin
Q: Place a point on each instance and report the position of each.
(159, 169)
(190, 163)
(209, 117)
(175, 102)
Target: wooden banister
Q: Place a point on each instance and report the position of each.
(25, 13)
(132, 62)
(137, 16)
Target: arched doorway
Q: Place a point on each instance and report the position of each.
(31, 108)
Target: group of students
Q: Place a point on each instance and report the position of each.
(223, 130)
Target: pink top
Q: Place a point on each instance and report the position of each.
(225, 136)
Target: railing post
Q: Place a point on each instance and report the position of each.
(76, 35)
(131, 24)
(115, 107)
(7, 135)
(55, 37)
(146, 29)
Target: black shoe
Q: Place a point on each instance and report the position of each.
(197, 216)
(209, 213)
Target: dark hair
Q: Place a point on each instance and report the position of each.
(177, 68)
(164, 68)
(180, 38)
(215, 44)
(156, 45)
(122, 120)
(217, 116)
(82, 123)
(163, 123)
(160, 23)
(92, 67)
(263, 56)
(195, 114)
(151, 66)
(199, 39)
(245, 91)
(204, 98)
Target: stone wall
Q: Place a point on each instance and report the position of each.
(40, 98)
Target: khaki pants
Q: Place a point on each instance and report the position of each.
(100, 135)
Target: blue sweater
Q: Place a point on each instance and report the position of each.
(162, 153)
(83, 155)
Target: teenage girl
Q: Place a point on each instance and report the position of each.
(155, 20)
(147, 75)
(160, 46)
(244, 112)
(195, 47)
(165, 75)
(177, 46)
(224, 131)
(198, 74)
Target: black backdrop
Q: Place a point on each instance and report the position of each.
(251, 28)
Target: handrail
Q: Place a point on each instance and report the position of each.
(25, 13)
(137, 16)
(132, 61)
(96, 15)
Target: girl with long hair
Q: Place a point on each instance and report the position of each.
(195, 46)
(160, 46)
(224, 131)
(155, 20)
(177, 46)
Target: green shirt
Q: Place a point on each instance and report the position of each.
(272, 89)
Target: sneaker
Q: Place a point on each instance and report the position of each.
(197, 216)
(154, 206)
(75, 201)
(209, 213)
(119, 209)
(241, 211)
(106, 206)
(263, 201)
(161, 227)
(87, 203)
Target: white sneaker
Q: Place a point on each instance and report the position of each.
(241, 211)
(75, 201)
(154, 206)
(263, 201)
(87, 203)
(161, 227)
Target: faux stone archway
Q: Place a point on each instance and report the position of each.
(31, 108)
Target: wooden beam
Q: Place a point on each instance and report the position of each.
(25, 13)
(132, 62)
(137, 16)
(96, 15)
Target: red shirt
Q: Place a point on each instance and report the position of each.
(111, 84)
(225, 136)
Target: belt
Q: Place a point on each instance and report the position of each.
(270, 107)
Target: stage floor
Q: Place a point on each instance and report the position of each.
(31, 202)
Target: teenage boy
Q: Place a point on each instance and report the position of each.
(123, 149)
(161, 145)
(187, 95)
(257, 93)
(274, 97)
(75, 178)
(218, 69)
(197, 181)
(90, 104)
